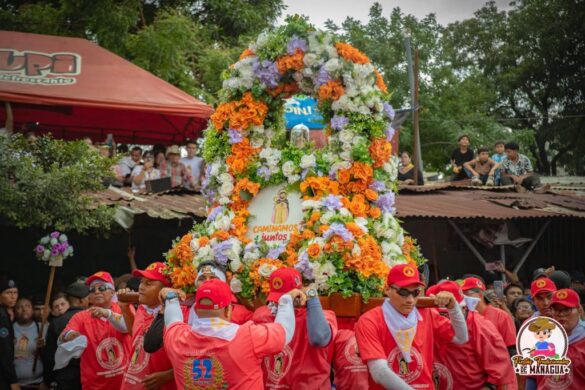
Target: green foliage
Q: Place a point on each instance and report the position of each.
(45, 184)
(215, 146)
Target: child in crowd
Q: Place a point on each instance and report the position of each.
(499, 156)
(482, 168)
(459, 157)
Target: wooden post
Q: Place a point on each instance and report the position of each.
(45, 311)
(415, 129)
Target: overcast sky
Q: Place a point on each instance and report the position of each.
(447, 11)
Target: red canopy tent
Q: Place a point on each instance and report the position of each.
(74, 88)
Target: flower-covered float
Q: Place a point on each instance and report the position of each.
(277, 201)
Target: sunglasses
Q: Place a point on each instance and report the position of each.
(102, 288)
(404, 292)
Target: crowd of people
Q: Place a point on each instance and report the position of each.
(462, 338)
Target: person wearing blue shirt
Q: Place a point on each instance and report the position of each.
(498, 157)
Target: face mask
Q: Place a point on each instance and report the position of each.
(471, 302)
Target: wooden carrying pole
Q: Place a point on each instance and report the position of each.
(45, 312)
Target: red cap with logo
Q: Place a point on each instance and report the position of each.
(449, 286)
(471, 283)
(100, 275)
(282, 281)
(566, 297)
(155, 271)
(542, 285)
(403, 275)
(216, 291)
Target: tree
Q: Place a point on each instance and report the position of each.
(44, 183)
(534, 55)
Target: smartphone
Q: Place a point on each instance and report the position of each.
(499, 289)
(490, 267)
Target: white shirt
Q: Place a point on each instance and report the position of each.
(152, 175)
(194, 165)
(126, 165)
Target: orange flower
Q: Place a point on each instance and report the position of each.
(331, 90)
(380, 151)
(369, 262)
(361, 171)
(247, 186)
(259, 280)
(319, 186)
(292, 61)
(371, 195)
(313, 250)
(247, 53)
(222, 114)
(308, 234)
(287, 90)
(380, 82)
(354, 229)
(375, 212)
(350, 53)
(343, 176)
(221, 234)
(323, 228)
(240, 114)
(242, 153)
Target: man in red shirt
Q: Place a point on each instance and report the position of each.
(566, 309)
(215, 353)
(105, 357)
(479, 363)
(145, 370)
(542, 290)
(349, 372)
(396, 339)
(305, 363)
(504, 323)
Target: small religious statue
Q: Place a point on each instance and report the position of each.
(299, 136)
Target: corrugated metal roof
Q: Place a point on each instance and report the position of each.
(455, 203)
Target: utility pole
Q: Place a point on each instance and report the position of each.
(413, 81)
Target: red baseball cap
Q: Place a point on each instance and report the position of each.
(215, 290)
(471, 283)
(542, 285)
(100, 275)
(155, 271)
(449, 286)
(403, 275)
(282, 281)
(566, 297)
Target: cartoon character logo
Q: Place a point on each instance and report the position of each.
(409, 372)
(110, 353)
(542, 344)
(278, 365)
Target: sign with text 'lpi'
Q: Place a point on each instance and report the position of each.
(302, 110)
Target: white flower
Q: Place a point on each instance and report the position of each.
(234, 252)
(288, 168)
(326, 218)
(223, 200)
(345, 155)
(294, 178)
(346, 147)
(223, 222)
(226, 189)
(54, 241)
(344, 212)
(225, 178)
(310, 59)
(356, 251)
(308, 161)
(391, 169)
(262, 39)
(45, 240)
(265, 270)
(46, 254)
(332, 65)
(257, 142)
(331, 51)
(321, 273)
(194, 244)
(214, 169)
(311, 204)
(235, 265)
(236, 285)
(346, 136)
(251, 253)
(205, 253)
(62, 238)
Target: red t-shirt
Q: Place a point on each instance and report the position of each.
(376, 342)
(484, 358)
(300, 365)
(350, 372)
(141, 363)
(104, 360)
(503, 323)
(575, 379)
(204, 362)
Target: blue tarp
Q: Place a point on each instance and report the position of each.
(302, 109)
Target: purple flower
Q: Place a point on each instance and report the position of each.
(304, 266)
(339, 229)
(55, 235)
(58, 248)
(386, 202)
(209, 195)
(304, 173)
(235, 136)
(267, 73)
(297, 43)
(40, 249)
(339, 122)
(54, 252)
(377, 186)
(389, 111)
(214, 213)
(275, 252)
(333, 174)
(322, 77)
(389, 132)
(332, 202)
(220, 250)
(264, 173)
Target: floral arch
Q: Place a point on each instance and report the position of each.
(349, 237)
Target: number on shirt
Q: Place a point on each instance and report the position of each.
(202, 369)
